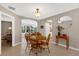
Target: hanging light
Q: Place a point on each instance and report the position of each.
(37, 12)
(10, 28)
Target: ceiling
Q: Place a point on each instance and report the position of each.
(46, 9)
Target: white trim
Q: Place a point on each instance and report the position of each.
(7, 14)
(12, 19)
(17, 43)
(76, 49)
(0, 32)
(13, 26)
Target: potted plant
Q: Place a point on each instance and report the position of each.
(60, 28)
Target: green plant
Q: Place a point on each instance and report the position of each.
(60, 28)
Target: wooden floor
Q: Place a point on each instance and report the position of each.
(19, 50)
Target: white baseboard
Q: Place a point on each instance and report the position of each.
(76, 49)
(17, 44)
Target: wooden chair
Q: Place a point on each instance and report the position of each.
(33, 43)
(27, 37)
(45, 43)
(39, 42)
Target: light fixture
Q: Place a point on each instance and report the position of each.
(37, 12)
(10, 28)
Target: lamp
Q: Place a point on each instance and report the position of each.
(37, 12)
(10, 28)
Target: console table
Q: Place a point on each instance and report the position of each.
(64, 37)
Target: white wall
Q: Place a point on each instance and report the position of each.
(18, 29)
(40, 23)
(17, 23)
(73, 31)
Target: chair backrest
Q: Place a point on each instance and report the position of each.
(33, 42)
(38, 33)
(33, 34)
(40, 37)
(49, 35)
(27, 36)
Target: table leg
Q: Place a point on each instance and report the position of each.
(67, 44)
(56, 41)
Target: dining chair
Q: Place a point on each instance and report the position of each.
(38, 33)
(27, 37)
(33, 46)
(45, 43)
(35, 43)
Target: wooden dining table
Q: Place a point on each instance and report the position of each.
(37, 40)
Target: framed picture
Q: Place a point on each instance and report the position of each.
(41, 26)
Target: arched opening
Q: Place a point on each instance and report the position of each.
(64, 24)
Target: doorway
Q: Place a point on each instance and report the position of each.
(6, 34)
(10, 19)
